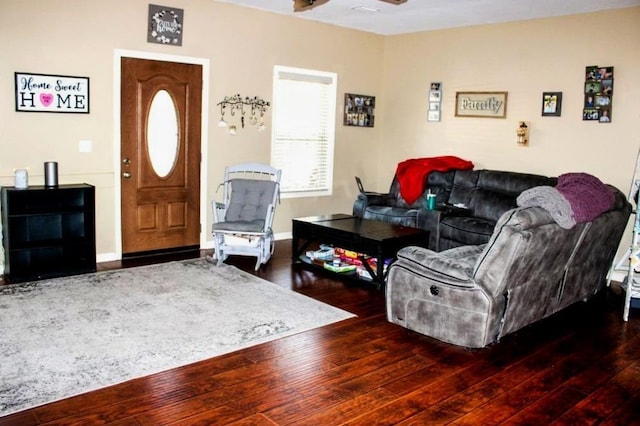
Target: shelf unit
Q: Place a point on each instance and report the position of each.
(631, 283)
(48, 231)
(630, 261)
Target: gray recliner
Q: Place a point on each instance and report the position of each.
(531, 268)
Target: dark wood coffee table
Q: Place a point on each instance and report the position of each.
(373, 238)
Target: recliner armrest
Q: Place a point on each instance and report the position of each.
(369, 199)
(453, 210)
(374, 198)
(452, 267)
(430, 221)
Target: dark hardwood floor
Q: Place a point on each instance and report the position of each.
(579, 367)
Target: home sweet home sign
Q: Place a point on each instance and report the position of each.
(51, 93)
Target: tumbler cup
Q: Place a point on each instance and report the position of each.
(431, 201)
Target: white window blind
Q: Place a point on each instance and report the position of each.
(304, 109)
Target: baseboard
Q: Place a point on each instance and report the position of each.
(618, 276)
(283, 236)
(112, 256)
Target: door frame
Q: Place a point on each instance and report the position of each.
(204, 133)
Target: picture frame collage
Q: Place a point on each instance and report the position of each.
(435, 102)
(359, 110)
(598, 94)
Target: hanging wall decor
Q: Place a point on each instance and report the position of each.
(165, 25)
(481, 104)
(359, 110)
(51, 93)
(435, 102)
(551, 104)
(598, 94)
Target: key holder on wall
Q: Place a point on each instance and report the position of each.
(256, 107)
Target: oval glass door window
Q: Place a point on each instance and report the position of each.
(162, 133)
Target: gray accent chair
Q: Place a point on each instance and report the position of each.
(531, 268)
(242, 220)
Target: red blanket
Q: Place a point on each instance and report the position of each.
(412, 174)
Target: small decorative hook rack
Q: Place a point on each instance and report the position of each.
(236, 104)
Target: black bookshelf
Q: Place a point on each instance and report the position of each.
(48, 231)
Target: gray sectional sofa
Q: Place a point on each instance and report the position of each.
(484, 194)
(529, 269)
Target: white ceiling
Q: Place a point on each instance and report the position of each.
(425, 15)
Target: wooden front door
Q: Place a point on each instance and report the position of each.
(160, 171)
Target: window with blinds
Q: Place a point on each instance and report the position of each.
(304, 110)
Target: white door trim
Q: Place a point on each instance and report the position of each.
(117, 57)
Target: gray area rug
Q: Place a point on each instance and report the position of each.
(67, 336)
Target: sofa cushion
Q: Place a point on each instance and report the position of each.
(464, 184)
(439, 183)
(511, 183)
(496, 191)
(490, 205)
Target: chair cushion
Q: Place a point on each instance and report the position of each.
(240, 226)
(250, 199)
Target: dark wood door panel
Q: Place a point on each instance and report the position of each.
(160, 212)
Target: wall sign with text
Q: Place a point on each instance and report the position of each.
(165, 25)
(481, 104)
(51, 93)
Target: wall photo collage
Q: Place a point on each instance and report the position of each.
(598, 94)
(359, 110)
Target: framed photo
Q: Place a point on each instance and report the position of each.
(602, 100)
(51, 93)
(433, 115)
(359, 110)
(551, 104)
(592, 86)
(481, 104)
(605, 115)
(590, 114)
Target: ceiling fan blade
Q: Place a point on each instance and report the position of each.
(394, 1)
(302, 5)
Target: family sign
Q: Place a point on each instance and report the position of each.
(481, 104)
(51, 93)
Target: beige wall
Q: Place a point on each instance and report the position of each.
(79, 37)
(524, 59)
